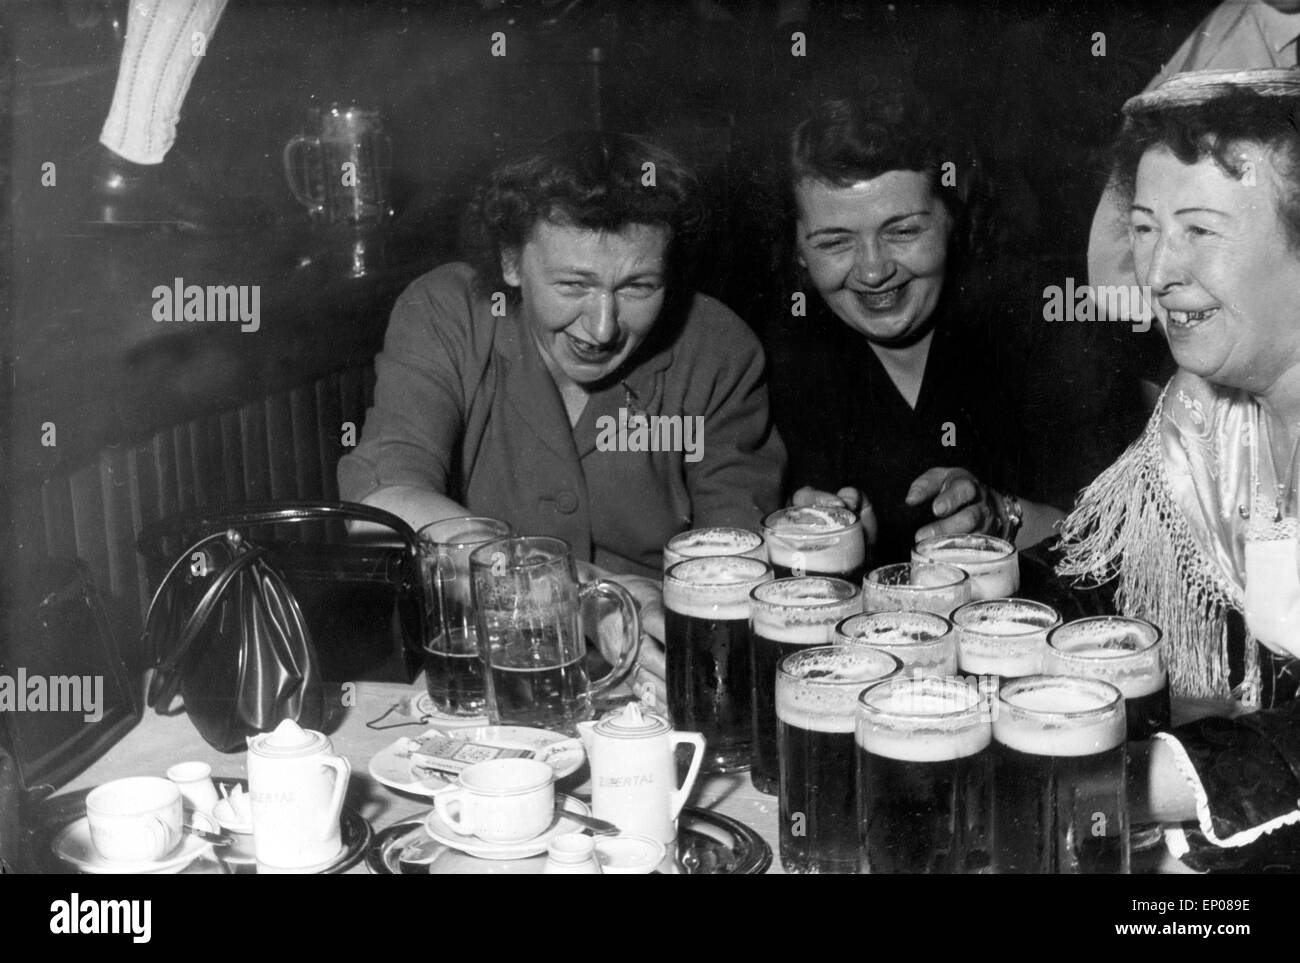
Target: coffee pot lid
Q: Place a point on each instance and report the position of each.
(633, 721)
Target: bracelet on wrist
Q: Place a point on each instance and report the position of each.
(1013, 517)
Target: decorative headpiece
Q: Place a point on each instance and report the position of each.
(1200, 86)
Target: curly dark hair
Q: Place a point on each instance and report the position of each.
(849, 140)
(588, 179)
(1216, 128)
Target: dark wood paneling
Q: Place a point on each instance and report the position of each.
(252, 427)
(85, 486)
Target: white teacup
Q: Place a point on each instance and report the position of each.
(135, 820)
(500, 801)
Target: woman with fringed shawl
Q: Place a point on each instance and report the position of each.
(1197, 520)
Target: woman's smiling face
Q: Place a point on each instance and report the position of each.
(589, 297)
(1214, 253)
(877, 251)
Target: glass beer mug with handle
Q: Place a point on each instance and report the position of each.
(340, 172)
(528, 602)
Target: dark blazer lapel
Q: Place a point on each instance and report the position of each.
(634, 390)
(530, 389)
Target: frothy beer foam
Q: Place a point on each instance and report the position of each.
(1132, 682)
(716, 587)
(818, 689)
(801, 611)
(894, 628)
(923, 720)
(822, 539)
(701, 542)
(963, 556)
(1024, 725)
(809, 521)
(993, 565)
(1118, 650)
(926, 745)
(965, 549)
(1005, 617)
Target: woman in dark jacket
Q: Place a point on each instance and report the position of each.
(905, 381)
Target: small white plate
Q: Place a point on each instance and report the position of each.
(73, 846)
(393, 767)
(439, 830)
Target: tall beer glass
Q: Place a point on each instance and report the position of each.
(923, 642)
(706, 621)
(453, 665)
(1125, 652)
(785, 616)
(1003, 637)
(815, 541)
(817, 693)
(1059, 751)
(925, 778)
(916, 587)
(702, 542)
(992, 563)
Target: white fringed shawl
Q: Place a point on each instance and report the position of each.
(1165, 519)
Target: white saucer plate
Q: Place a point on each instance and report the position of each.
(74, 847)
(393, 767)
(439, 830)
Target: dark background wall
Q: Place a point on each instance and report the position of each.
(152, 419)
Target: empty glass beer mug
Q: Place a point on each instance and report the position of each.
(340, 172)
(528, 602)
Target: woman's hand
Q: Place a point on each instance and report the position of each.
(961, 503)
(648, 675)
(850, 498)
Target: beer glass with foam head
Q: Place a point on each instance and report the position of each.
(817, 693)
(1059, 753)
(925, 777)
(784, 616)
(992, 563)
(1125, 652)
(702, 542)
(528, 603)
(710, 682)
(453, 668)
(815, 541)
(916, 587)
(1003, 637)
(923, 642)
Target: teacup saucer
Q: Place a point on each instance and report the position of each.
(439, 830)
(73, 846)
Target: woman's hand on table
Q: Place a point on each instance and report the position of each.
(850, 498)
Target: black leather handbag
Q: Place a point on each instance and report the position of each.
(249, 631)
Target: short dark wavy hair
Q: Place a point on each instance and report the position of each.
(588, 179)
(1215, 128)
(849, 140)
